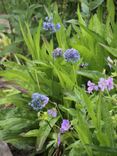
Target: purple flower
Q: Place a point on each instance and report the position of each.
(91, 87)
(58, 26)
(109, 82)
(52, 112)
(105, 84)
(102, 84)
(39, 101)
(57, 52)
(65, 125)
(71, 55)
(59, 139)
(96, 87)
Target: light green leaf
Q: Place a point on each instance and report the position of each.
(44, 131)
(112, 51)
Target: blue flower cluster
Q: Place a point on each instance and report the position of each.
(39, 101)
(50, 26)
(71, 55)
(57, 53)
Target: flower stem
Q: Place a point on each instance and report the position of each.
(75, 75)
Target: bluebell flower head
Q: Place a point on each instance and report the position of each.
(39, 101)
(71, 55)
(45, 25)
(58, 26)
(48, 25)
(57, 53)
(51, 27)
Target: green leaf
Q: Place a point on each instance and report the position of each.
(86, 102)
(112, 51)
(44, 131)
(83, 132)
(12, 48)
(103, 149)
(94, 4)
(111, 10)
(37, 40)
(71, 111)
(32, 133)
(80, 19)
(94, 75)
(21, 143)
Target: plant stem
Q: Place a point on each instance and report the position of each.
(75, 75)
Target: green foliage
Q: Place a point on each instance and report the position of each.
(33, 43)
(92, 117)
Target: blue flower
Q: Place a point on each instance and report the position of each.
(71, 55)
(39, 101)
(57, 53)
(45, 25)
(58, 26)
(51, 27)
(48, 25)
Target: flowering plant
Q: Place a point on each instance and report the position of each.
(46, 107)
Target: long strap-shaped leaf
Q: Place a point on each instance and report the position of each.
(32, 41)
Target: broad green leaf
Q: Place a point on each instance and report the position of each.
(71, 111)
(111, 10)
(32, 133)
(94, 4)
(21, 142)
(95, 75)
(104, 149)
(112, 51)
